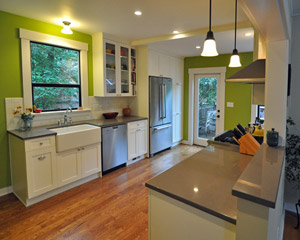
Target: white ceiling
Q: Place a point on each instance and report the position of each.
(117, 17)
(186, 47)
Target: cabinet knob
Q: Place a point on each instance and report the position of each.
(41, 143)
(82, 148)
(78, 149)
(41, 157)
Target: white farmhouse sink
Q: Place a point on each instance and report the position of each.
(76, 136)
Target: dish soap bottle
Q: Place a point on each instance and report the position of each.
(272, 138)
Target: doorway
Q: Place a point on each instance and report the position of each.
(208, 88)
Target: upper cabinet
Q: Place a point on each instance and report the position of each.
(159, 64)
(114, 65)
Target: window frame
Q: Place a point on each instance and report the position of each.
(28, 36)
(57, 84)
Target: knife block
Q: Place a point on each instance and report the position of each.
(248, 144)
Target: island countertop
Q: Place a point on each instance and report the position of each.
(44, 131)
(205, 181)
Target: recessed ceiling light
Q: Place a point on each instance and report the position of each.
(248, 34)
(138, 13)
(196, 189)
(175, 32)
(198, 47)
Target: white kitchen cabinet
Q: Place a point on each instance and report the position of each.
(33, 166)
(41, 171)
(137, 139)
(114, 64)
(68, 166)
(78, 163)
(91, 160)
(159, 64)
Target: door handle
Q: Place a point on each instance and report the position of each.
(161, 128)
(165, 100)
(218, 116)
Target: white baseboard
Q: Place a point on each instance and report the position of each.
(5, 191)
(185, 142)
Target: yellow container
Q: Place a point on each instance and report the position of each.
(258, 132)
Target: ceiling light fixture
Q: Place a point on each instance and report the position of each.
(138, 13)
(198, 47)
(235, 58)
(66, 29)
(209, 46)
(175, 32)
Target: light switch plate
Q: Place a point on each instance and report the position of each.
(230, 104)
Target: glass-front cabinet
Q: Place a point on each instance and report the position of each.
(110, 68)
(115, 79)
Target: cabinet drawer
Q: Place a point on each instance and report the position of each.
(137, 124)
(39, 143)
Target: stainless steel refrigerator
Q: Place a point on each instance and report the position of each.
(160, 114)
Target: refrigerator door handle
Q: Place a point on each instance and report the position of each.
(162, 127)
(165, 100)
(160, 101)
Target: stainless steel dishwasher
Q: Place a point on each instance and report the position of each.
(114, 147)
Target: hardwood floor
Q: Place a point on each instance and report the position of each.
(112, 207)
(290, 233)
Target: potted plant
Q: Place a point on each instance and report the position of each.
(292, 169)
(26, 116)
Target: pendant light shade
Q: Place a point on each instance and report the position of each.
(235, 58)
(66, 29)
(209, 46)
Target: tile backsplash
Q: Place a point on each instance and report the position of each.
(97, 106)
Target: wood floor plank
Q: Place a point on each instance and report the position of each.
(113, 207)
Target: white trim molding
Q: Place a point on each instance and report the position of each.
(199, 71)
(26, 36)
(5, 191)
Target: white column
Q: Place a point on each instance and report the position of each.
(276, 87)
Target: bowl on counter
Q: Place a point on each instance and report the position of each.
(110, 115)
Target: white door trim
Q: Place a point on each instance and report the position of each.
(199, 71)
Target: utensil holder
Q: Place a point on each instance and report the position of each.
(248, 144)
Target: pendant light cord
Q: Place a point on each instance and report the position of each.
(209, 15)
(235, 24)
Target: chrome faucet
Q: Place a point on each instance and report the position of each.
(69, 109)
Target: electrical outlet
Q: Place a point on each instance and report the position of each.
(230, 104)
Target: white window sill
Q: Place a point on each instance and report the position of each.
(56, 114)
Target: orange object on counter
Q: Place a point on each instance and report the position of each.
(248, 144)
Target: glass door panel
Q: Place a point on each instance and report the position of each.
(110, 68)
(125, 79)
(206, 115)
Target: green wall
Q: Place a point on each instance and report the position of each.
(240, 94)
(11, 72)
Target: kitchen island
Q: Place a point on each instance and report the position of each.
(218, 193)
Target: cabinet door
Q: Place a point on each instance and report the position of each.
(178, 97)
(142, 141)
(153, 63)
(91, 160)
(110, 66)
(68, 167)
(178, 127)
(164, 65)
(125, 84)
(41, 171)
(132, 143)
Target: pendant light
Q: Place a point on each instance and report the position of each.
(235, 58)
(66, 29)
(209, 46)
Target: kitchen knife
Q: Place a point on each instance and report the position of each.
(237, 133)
(240, 127)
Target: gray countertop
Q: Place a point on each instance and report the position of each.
(46, 130)
(221, 175)
(259, 182)
(213, 172)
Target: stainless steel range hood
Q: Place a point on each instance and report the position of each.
(253, 73)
